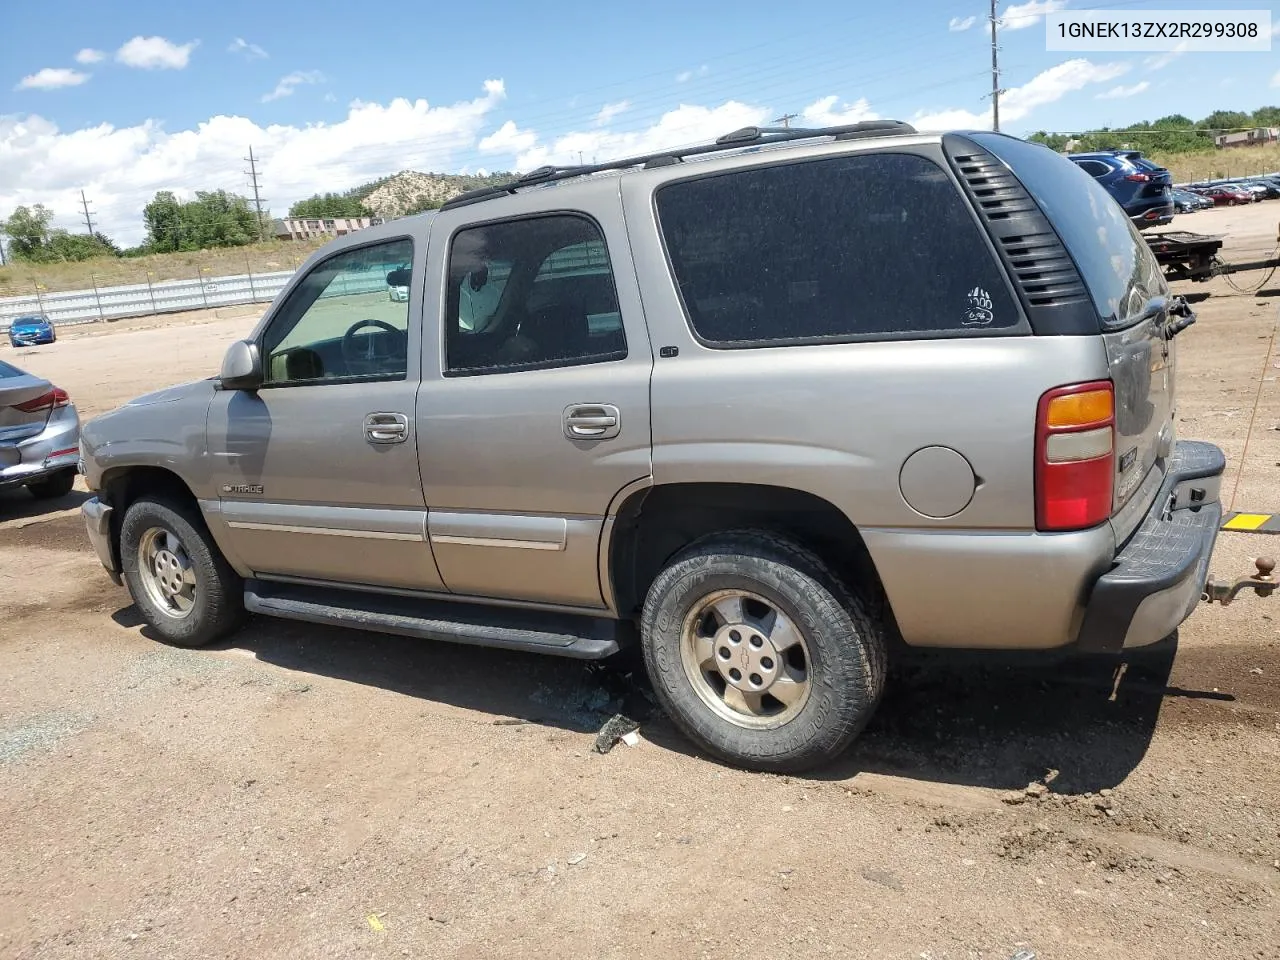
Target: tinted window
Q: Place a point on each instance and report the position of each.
(867, 246)
(347, 319)
(7, 371)
(1117, 265)
(1093, 167)
(531, 293)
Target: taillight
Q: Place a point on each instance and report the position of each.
(1075, 456)
(57, 397)
(1139, 177)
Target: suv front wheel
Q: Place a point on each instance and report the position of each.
(760, 654)
(178, 578)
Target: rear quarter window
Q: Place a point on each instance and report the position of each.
(7, 371)
(869, 246)
(1117, 266)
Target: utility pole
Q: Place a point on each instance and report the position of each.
(88, 220)
(252, 173)
(785, 119)
(995, 73)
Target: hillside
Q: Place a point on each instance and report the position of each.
(410, 191)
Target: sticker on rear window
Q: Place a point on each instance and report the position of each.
(978, 310)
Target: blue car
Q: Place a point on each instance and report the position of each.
(1141, 187)
(28, 331)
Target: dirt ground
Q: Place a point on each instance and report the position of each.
(310, 792)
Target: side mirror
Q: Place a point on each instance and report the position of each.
(241, 367)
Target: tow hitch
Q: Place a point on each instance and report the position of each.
(1260, 582)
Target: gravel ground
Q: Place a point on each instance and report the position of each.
(311, 792)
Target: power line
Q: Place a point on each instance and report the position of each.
(252, 173)
(88, 220)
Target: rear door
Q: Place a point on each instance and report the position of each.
(534, 408)
(1131, 297)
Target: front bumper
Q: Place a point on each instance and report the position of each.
(1158, 576)
(97, 521)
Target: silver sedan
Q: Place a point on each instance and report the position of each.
(39, 434)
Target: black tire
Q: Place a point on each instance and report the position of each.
(846, 649)
(54, 486)
(219, 592)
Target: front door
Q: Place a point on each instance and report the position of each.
(318, 469)
(534, 408)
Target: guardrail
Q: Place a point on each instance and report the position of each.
(74, 307)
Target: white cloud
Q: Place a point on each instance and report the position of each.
(508, 138)
(1020, 16)
(1275, 81)
(1121, 92)
(155, 53)
(824, 113)
(89, 55)
(122, 168)
(51, 78)
(1162, 60)
(1018, 102)
(683, 126)
(291, 82)
(961, 24)
(684, 76)
(611, 110)
(251, 51)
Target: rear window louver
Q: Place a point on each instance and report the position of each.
(1044, 274)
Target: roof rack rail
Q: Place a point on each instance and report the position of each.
(736, 139)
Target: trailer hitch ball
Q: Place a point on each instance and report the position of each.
(1261, 583)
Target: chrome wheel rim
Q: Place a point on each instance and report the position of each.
(746, 659)
(167, 576)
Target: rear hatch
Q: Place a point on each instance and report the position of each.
(20, 418)
(1132, 301)
(1159, 181)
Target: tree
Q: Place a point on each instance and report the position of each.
(28, 230)
(66, 247)
(330, 205)
(1226, 121)
(213, 219)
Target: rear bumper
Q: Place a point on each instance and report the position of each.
(1158, 576)
(54, 449)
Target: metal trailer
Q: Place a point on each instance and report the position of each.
(1194, 256)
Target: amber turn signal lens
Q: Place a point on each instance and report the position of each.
(1079, 409)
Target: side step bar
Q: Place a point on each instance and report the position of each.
(560, 634)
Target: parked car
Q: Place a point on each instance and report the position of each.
(39, 434)
(1187, 202)
(28, 331)
(931, 405)
(398, 284)
(1256, 190)
(1141, 187)
(1224, 195)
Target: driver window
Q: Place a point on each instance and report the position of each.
(347, 320)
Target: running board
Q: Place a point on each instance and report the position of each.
(535, 631)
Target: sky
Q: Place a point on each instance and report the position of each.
(122, 100)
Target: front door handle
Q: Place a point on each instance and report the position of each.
(591, 421)
(386, 428)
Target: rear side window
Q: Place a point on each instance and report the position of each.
(7, 371)
(1116, 264)
(872, 246)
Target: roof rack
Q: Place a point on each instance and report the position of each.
(737, 139)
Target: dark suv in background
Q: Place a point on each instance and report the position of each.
(1141, 187)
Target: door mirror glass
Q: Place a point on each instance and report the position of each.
(241, 367)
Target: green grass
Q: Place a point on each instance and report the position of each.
(19, 279)
(1219, 164)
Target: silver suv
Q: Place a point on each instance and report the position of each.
(774, 404)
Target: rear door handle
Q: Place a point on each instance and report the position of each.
(591, 421)
(386, 428)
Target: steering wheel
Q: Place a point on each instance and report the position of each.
(364, 358)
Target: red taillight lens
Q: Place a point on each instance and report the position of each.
(1075, 456)
(55, 398)
(1139, 177)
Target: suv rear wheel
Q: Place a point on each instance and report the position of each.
(760, 654)
(186, 590)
